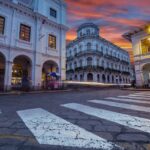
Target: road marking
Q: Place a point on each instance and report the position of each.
(52, 130)
(122, 119)
(122, 105)
(127, 100)
(148, 94)
(132, 97)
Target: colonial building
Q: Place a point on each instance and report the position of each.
(92, 58)
(32, 41)
(140, 39)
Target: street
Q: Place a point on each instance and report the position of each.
(88, 119)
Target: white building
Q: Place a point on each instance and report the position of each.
(140, 39)
(32, 40)
(92, 58)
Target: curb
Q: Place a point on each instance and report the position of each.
(33, 92)
(135, 89)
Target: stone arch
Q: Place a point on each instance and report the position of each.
(81, 77)
(146, 73)
(21, 71)
(108, 78)
(90, 77)
(98, 77)
(113, 79)
(2, 70)
(103, 78)
(49, 66)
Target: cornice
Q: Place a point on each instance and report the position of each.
(106, 42)
(32, 13)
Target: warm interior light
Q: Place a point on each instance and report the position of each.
(148, 29)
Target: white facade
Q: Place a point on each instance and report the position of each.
(140, 39)
(36, 15)
(92, 58)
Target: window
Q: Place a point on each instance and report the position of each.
(52, 41)
(80, 63)
(25, 32)
(145, 45)
(75, 64)
(88, 31)
(80, 48)
(89, 61)
(89, 46)
(97, 47)
(2, 25)
(53, 12)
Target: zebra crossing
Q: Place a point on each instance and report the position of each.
(51, 129)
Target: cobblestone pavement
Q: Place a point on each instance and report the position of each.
(86, 119)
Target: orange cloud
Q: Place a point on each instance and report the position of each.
(113, 17)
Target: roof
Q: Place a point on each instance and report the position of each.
(129, 34)
(89, 24)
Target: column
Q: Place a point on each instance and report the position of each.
(37, 77)
(8, 75)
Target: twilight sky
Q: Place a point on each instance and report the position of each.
(114, 17)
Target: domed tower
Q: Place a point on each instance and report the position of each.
(88, 29)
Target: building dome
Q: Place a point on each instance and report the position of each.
(88, 29)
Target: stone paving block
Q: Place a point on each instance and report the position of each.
(8, 147)
(107, 128)
(133, 137)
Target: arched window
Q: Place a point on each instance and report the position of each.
(88, 31)
(103, 63)
(107, 64)
(80, 48)
(70, 66)
(97, 61)
(70, 53)
(81, 63)
(89, 46)
(96, 47)
(75, 64)
(75, 51)
(89, 61)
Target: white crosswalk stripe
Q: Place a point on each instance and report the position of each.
(133, 97)
(139, 95)
(128, 100)
(53, 130)
(122, 105)
(119, 118)
(143, 93)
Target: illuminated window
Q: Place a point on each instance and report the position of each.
(2, 24)
(145, 45)
(52, 41)
(25, 32)
(53, 12)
